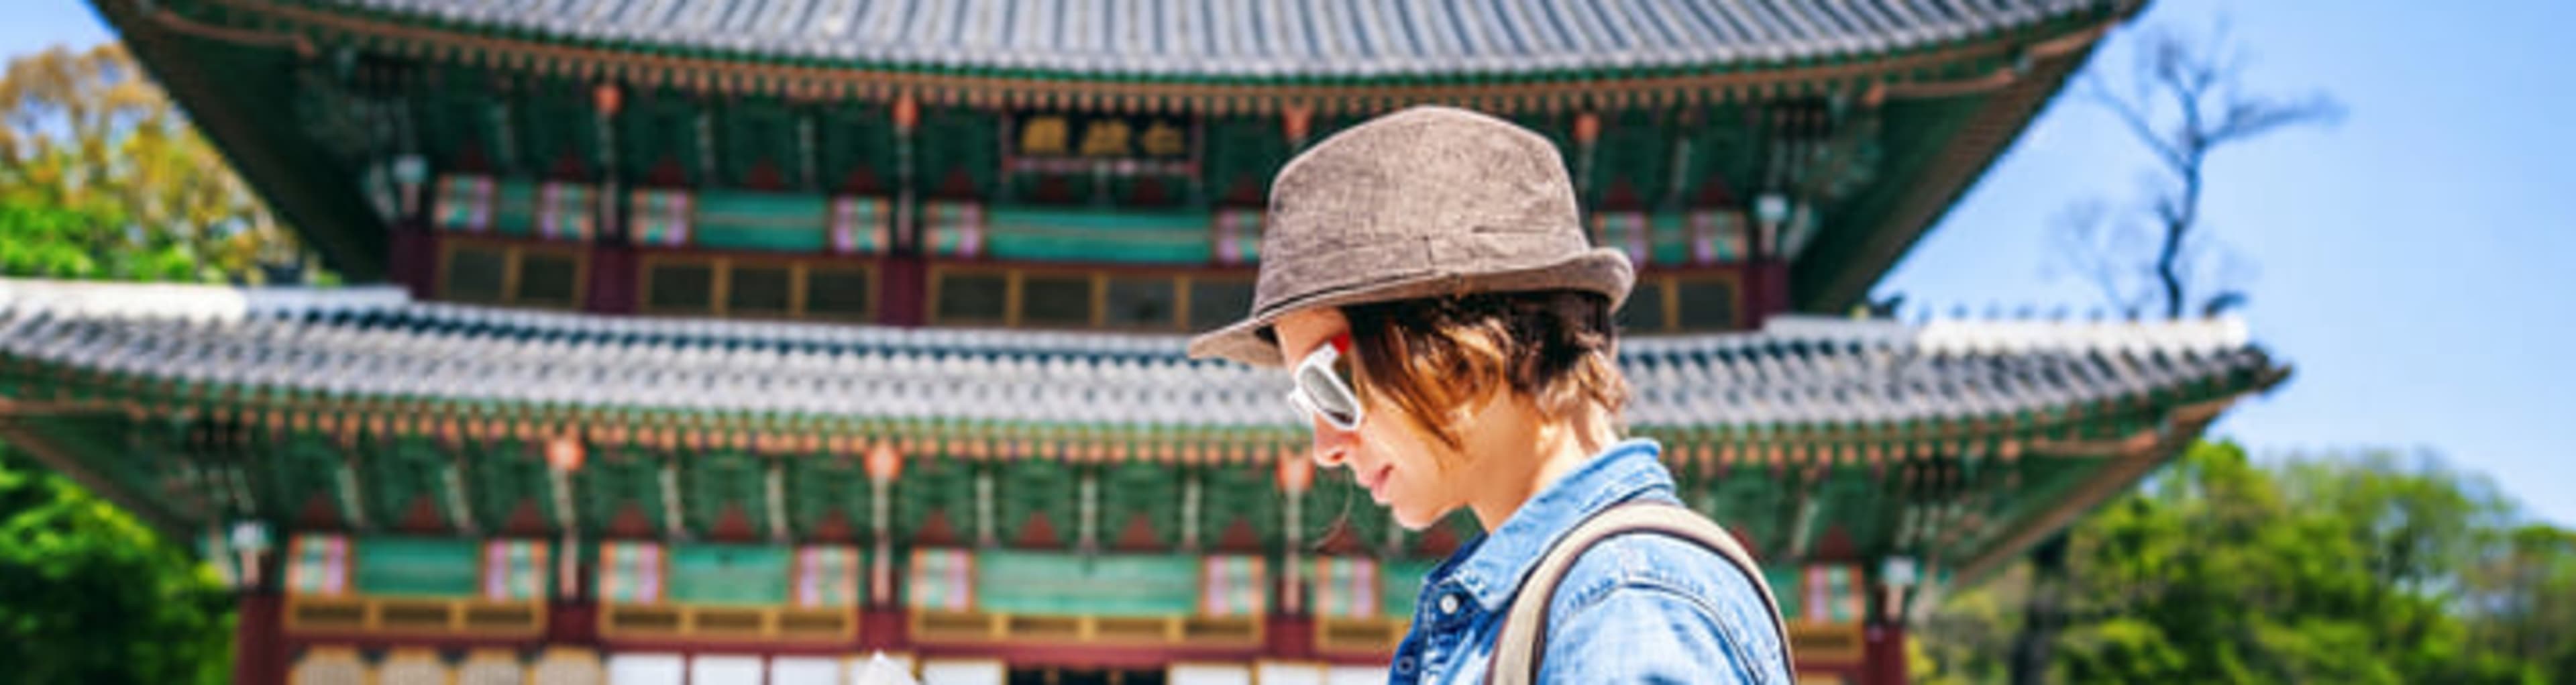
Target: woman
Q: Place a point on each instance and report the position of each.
(1448, 330)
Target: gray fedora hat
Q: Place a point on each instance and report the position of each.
(1424, 202)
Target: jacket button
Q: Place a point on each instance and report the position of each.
(1448, 604)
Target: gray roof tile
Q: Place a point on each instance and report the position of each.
(377, 342)
(1257, 38)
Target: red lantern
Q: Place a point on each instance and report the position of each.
(1587, 128)
(607, 98)
(907, 113)
(1296, 120)
(564, 453)
(884, 463)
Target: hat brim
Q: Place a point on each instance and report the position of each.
(1600, 270)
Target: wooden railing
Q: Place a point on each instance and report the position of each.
(415, 616)
(718, 622)
(982, 628)
(1364, 635)
(1827, 642)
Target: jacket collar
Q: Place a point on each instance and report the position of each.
(1492, 568)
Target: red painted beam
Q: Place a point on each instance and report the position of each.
(375, 641)
(574, 624)
(744, 647)
(1087, 656)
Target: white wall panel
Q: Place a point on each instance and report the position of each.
(725, 670)
(1210, 674)
(948, 672)
(805, 670)
(645, 669)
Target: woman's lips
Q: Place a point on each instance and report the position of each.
(1375, 481)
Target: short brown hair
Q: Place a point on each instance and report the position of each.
(1434, 356)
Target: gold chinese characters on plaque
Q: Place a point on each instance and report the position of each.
(1101, 136)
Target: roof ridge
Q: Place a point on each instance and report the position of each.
(1288, 37)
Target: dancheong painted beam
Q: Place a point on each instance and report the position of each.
(476, 473)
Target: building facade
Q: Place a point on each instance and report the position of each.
(740, 341)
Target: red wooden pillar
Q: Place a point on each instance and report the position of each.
(1766, 290)
(612, 280)
(572, 623)
(883, 628)
(1883, 654)
(903, 288)
(413, 263)
(1290, 637)
(259, 639)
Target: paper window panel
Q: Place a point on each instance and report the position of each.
(1233, 586)
(952, 229)
(659, 217)
(827, 576)
(463, 204)
(1237, 238)
(567, 211)
(631, 572)
(942, 579)
(515, 570)
(1346, 587)
(1623, 231)
(318, 564)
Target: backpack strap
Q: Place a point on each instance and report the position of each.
(1523, 639)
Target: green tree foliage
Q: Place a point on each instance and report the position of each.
(90, 595)
(2374, 568)
(1969, 638)
(101, 177)
(2523, 593)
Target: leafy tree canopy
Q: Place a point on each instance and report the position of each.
(2369, 568)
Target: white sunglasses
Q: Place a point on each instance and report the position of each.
(1322, 386)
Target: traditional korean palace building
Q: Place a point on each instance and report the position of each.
(735, 340)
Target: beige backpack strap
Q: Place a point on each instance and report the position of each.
(1524, 633)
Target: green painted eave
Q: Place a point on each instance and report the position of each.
(1937, 150)
(239, 97)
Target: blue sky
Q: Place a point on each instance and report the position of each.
(2414, 261)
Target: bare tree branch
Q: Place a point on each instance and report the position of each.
(2182, 99)
(2131, 115)
(2252, 117)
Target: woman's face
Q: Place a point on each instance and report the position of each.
(1398, 463)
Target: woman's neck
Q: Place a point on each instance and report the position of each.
(1532, 455)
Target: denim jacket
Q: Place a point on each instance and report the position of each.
(1633, 609)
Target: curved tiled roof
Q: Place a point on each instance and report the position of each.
(376, 342)
(1257, 38)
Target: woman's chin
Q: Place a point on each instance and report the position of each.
(1412, 518)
